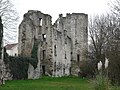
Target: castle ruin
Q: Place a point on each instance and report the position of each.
(61, 46)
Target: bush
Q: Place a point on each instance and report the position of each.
(88, 68)
(19, 66)
(101, 83)
(114, 67)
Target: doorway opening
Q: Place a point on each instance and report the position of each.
(44, 54)
(43, 69)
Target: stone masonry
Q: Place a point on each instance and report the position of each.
(61, 46)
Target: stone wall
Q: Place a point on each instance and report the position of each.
(61, 46)
(73, 26)
(36, 26)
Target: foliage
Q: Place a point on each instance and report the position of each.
(101, 83)
(34, 50)
(105, 42)
(6, 56)
(114, 67)
(88, 68)
(19, 66)
(34, 53)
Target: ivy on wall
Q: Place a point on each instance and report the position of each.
(19, 66)
(34, 54)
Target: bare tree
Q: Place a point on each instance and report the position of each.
(10, 18)
(115, 7)
(98, 35)
(104, 32)
(105, 39)
(113, 50)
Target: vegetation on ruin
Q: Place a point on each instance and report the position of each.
(34, 54)
(19, 66)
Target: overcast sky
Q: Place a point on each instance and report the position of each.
(56, 7)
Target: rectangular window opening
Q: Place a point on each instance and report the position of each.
(44, 54)
(44, 37)
(65, 55)
(55, 53)
(78, 57)
(40, 20)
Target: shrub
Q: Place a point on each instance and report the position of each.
(101, 83)
(88, 68)
(114, 67)
(19, 66)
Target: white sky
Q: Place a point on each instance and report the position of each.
(56, 7)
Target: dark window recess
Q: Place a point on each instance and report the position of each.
(71, 55)
(44, 37)
(78, 57)
(70, 70)
(44, 54)
(63, 70)
(43, 69)
(15, 54)
(54, 64)
(40, 20)
(46, 28)
(65, 56)
(55, 53)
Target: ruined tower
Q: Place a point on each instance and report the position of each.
(70, 42)
(61, 46)
(36, 28)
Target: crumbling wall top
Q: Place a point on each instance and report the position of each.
(30, 12)
(79, 14)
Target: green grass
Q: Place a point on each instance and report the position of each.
(48, 83)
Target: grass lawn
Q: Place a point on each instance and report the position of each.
(48, 83)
